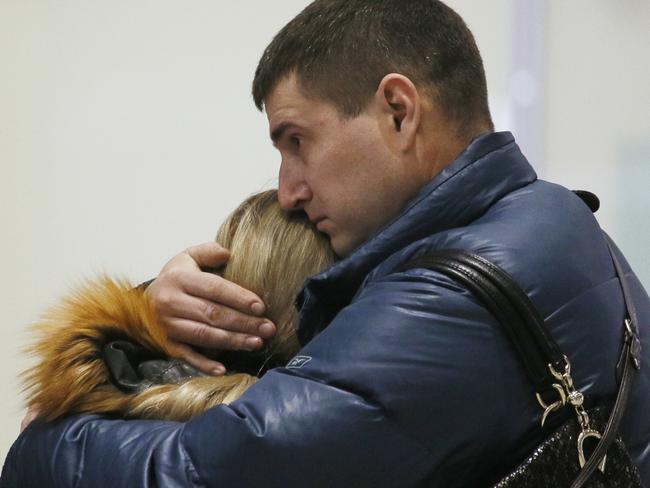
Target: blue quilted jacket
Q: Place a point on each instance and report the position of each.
(405, 379)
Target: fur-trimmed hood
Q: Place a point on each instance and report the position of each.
(71, 375)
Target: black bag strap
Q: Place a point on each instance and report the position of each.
(509, 304)
(539, 353)
(631, 358)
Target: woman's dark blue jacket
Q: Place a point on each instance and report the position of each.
(404, 377)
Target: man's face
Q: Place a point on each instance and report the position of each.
(339, 171)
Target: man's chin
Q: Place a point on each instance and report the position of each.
(342, 247)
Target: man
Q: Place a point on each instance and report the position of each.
(379, 111)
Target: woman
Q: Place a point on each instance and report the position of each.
(102, 351)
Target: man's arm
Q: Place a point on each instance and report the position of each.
(386, 396)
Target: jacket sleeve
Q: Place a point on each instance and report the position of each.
(381, 397)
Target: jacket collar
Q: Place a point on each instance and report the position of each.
(488, 169)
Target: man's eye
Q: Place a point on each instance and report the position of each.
(295, 141)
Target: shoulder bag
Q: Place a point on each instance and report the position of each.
(562, 460)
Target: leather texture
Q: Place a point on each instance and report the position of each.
(404, 378)
(554, 462)
(134, 368)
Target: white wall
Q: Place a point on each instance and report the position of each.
(598, 106)
(127, 131)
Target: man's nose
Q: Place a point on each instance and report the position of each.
(293, 191)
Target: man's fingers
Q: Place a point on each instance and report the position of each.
(203, 309)
(199, 361)
(216, 315)
(208, 254)
(199, 334)
(216, 289)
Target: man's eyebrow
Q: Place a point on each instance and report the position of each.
(276, 135)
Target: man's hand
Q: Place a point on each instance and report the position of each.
(203, 309)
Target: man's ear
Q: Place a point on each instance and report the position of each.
(400, 110)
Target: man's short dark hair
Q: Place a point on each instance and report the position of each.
(341, 50)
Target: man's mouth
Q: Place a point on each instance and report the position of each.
(315, 219)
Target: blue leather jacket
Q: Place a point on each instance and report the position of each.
(405, 379)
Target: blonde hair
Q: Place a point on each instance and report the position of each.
(272, 253)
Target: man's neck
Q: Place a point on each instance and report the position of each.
(445, 147)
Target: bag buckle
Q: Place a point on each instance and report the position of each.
(585, 434)
(569, 394)
(632, 336)
(552, 407)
